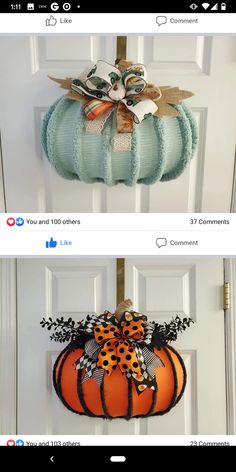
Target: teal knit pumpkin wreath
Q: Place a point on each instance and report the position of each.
(160, 147)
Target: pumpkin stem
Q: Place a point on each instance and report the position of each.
(122, 307)
(122, 64)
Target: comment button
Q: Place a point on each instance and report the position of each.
(161, 20)
(161, 242)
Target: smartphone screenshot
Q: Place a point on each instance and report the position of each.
(117, 217)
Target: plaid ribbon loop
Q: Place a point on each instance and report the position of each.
(122, 344)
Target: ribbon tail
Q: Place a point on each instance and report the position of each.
(141, 360)
(124, 119)
(89, 360)
(95, 108)
(152, 362)
(148, 333)
(98, 375)
(87, 363)
(92, 349)
(96, 126)
(141, 386)
(148, 362)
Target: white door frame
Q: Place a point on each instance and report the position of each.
(230, 347)
(8, 345)
(2, 188)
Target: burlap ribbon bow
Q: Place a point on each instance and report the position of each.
(106, 87)
(120, 343)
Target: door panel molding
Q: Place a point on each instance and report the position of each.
(63, 53)
(230, 346)
(179, 281)
(166, 54)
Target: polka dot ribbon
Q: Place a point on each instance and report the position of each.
(118, 348)
(119, 344)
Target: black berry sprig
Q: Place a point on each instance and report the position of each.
(75, 331)
(167, 332)
(64, 330)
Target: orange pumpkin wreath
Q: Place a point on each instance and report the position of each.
(118, 365)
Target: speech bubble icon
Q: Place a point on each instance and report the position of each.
(161, 242)
(161, 20)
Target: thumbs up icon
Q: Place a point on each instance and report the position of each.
(51, 244)
(52, 21)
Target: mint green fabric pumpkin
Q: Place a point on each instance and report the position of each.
(161, 148)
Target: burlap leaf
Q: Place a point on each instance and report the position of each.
(76, 96)
(165, 110)
(174, 95)
(170, 96)
(64, 83)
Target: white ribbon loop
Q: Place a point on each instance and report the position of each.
(141, 108)
(102, 76)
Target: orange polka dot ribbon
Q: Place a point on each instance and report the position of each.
(120, 344)
(118, 348)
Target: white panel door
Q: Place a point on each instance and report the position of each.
(188, 287)
(205, 65)
(54, 287)
(159, 287)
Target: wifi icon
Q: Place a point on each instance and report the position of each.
(205, 5)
